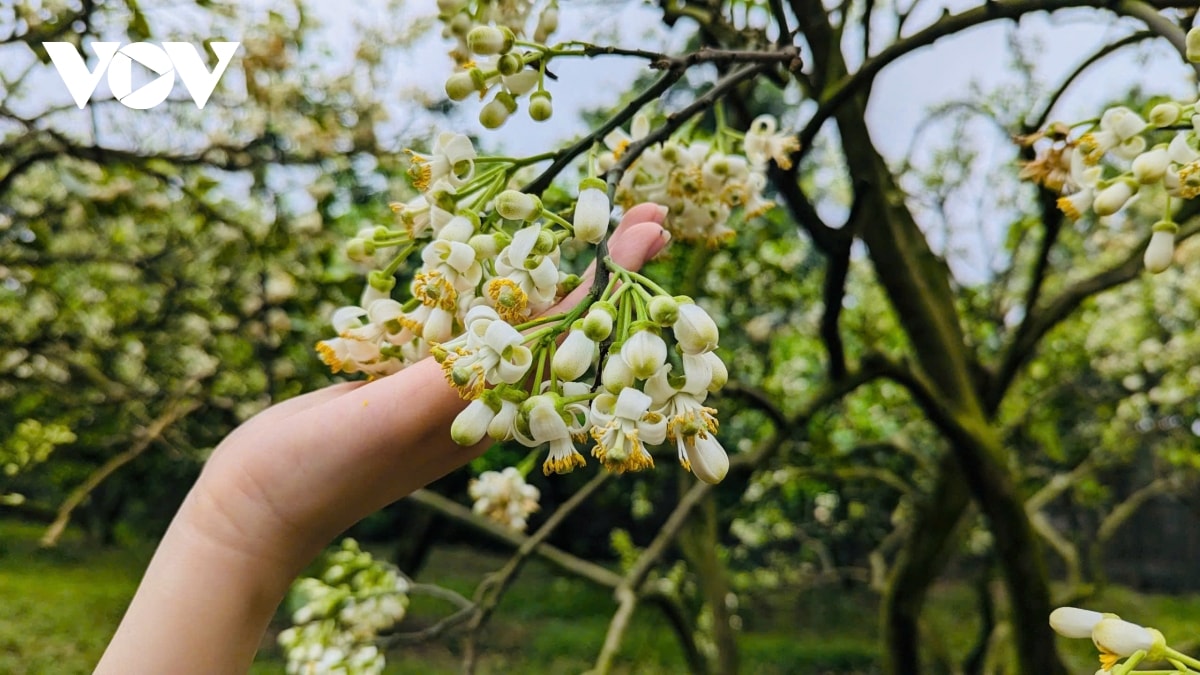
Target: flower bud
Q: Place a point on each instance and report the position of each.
(1161, 249)
(510, 64)
(471, 424)
(380, 281)
(695, 330)
(359, 249)
(663, 310)
(497, 111)
(485, 245)
(574, 356)
(1073, 622)
(1151, 166)
(616, 374)
(644, 352)
(592, 211)
(598, 323)
(516, 205)
(460, 85)
(545, 244)
(706, 458)
(540, 107)
(493, 114)
(1193, 45)
(1165, 114)
(488, 40)
(1121, 637)
(1112, 198)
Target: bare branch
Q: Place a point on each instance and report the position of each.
(174, 412)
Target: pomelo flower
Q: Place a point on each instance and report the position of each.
(622, 425)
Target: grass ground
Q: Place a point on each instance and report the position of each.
(59, 608)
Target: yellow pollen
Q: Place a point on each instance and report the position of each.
(329, 357)
(1092, 152)
(509, 300)
(419, 171)
(1189, 180)
(620, 149)
(435, 290)
(561, 465)
(1068, 207)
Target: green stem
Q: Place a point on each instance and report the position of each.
(1182, 658)
(554, 217)
(397, 261)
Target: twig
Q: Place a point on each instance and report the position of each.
(465, 609)
(950, 24)
(174, 412)
(626, 593)
(556, 556)
(489, 593)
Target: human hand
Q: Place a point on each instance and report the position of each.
(285, 483)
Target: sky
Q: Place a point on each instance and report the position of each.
(902, 95)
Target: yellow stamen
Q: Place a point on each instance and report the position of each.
(329, 357)
(1068, 207)
(561, 465)
(510, 301)
(1189, 181)
(435, 290)
(419, 171)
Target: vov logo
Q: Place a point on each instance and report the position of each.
(167, 61)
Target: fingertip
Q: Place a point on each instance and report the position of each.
(646, 212)
(638, 243)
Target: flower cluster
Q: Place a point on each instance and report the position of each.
(635, 401)
(481, 304)
(1118, 639)
(341, 611)
(504, 497)
(698, 181)
(489, 30)
(1121, 156)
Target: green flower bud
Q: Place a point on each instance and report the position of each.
(546, 243)
(359, 249)
(485, 245)
(540, 107)
(1165, 114)
(516, 205)
(510, 64)
(380, 281)
(569, 283)
(488, 40)
(493, 115)
(460, 85)
(1193, 45)
(663, 310)
(598, 323)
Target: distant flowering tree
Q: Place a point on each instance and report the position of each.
(632, 366)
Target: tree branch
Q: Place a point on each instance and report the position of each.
(949, 24)
(1038, 323)
(556, 556)
(174, 412)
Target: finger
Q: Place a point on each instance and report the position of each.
(646, 212)
(637, 244)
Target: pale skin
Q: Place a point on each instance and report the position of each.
(284, 484)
